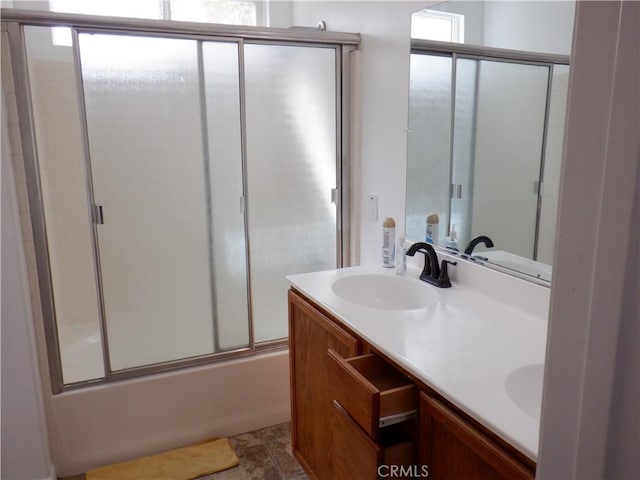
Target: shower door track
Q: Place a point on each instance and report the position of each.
(488, 53)
(55, 19)
(14, 20)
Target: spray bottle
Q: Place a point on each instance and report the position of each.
(388, 242)
(433, 222)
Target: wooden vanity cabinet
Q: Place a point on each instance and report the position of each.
(374, 407)
(311, 335)
(357, 456)
(452, 448)
(351, 412)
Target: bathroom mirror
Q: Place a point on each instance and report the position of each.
(487, 96)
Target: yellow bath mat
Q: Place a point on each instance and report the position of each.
(179, 464)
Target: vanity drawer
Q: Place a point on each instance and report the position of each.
(356, 457)
(374, 393)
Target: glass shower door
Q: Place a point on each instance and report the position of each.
(428, 143)
(291, 172)
(509, 128)
(152, 181)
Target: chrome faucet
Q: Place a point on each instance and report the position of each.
(474, 243)
(432, 273)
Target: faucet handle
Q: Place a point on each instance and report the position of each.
(443, 279)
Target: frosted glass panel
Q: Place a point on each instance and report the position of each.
(508, 150)
(463, 147)
(552, 164)
(291, 169)
(222, 100)
(64, 193)
(428, 143)
(145, 133)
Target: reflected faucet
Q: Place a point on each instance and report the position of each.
(432, 273)
(474, 243)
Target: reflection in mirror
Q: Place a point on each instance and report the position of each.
(428, 142)
(479, 133)
(501, 170)
(485, 132)
(531, 26)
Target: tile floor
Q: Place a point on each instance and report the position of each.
(264, 454)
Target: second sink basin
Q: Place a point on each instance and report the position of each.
(524, 386)
(386, 292)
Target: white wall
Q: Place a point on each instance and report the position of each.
(24, 443)
(473, 12)
(536, 26)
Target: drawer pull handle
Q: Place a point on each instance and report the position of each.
(397, 418)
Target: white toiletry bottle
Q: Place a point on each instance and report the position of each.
(388, 242)
(401, 256)
(433, 222)
(452, 239)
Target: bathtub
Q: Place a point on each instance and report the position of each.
(119, 421)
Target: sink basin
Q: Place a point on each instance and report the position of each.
(386, 292)
(524, 387)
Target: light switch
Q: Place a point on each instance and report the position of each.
(372, 208)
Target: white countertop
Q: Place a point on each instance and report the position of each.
(466, 347)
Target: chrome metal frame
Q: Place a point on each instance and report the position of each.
(207, 193)
(22, 85)
(268, 345)
(245, 188)
(474, 137)
(344, 157)
(452, 126)
(338, 154)
(511, 56)
(54, 19)
(95, 245)
(543, 159)
(15, 20)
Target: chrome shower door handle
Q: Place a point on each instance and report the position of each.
(98, 216)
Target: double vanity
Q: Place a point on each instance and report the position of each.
(392, 375)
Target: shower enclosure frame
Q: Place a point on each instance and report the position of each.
(457, 51)
(14, 21)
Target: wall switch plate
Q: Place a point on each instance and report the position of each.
(372, 208)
